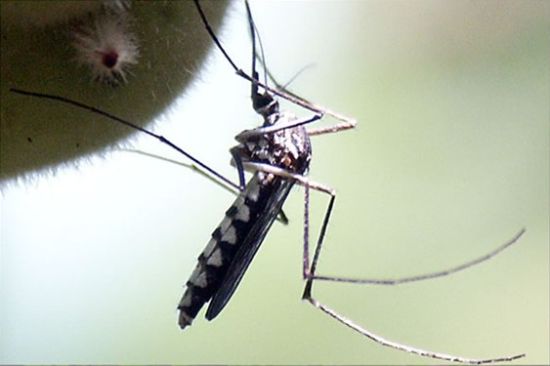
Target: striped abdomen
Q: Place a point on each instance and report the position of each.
(239, 235)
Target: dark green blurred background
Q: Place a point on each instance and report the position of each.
(449, 160)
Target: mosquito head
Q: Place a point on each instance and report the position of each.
(265, 104)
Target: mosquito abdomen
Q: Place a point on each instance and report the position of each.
(216, 258)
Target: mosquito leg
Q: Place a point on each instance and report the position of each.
(300, 179)
(246, 134)
(337, 127)
(129, 124)
(346, 121)
(309, 274)
(238, 161)
(403, 347)
(317, 186)
(203, 170)
(193, 167)
(305, 255)
(395, 281)
(426, 276)
(346, 124)
(307, 183)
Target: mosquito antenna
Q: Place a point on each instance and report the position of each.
(347, 122)
(112, 117)
(284, 87)
(295, 76)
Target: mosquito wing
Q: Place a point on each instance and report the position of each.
(271, 198)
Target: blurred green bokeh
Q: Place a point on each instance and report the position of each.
(450, 159)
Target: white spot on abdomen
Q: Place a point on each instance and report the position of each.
(212, 244)
(243, 214)
(253, 192)
(216, 259)
(198, 277)
(230, 236)
(186, 300)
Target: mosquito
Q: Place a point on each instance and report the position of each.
(278, 153)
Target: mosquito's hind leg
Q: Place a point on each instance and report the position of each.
(395, 345)
(309, 274)
(307, 295)
(425, 276)
(307, 183)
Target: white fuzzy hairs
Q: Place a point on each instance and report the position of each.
(105, 43)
